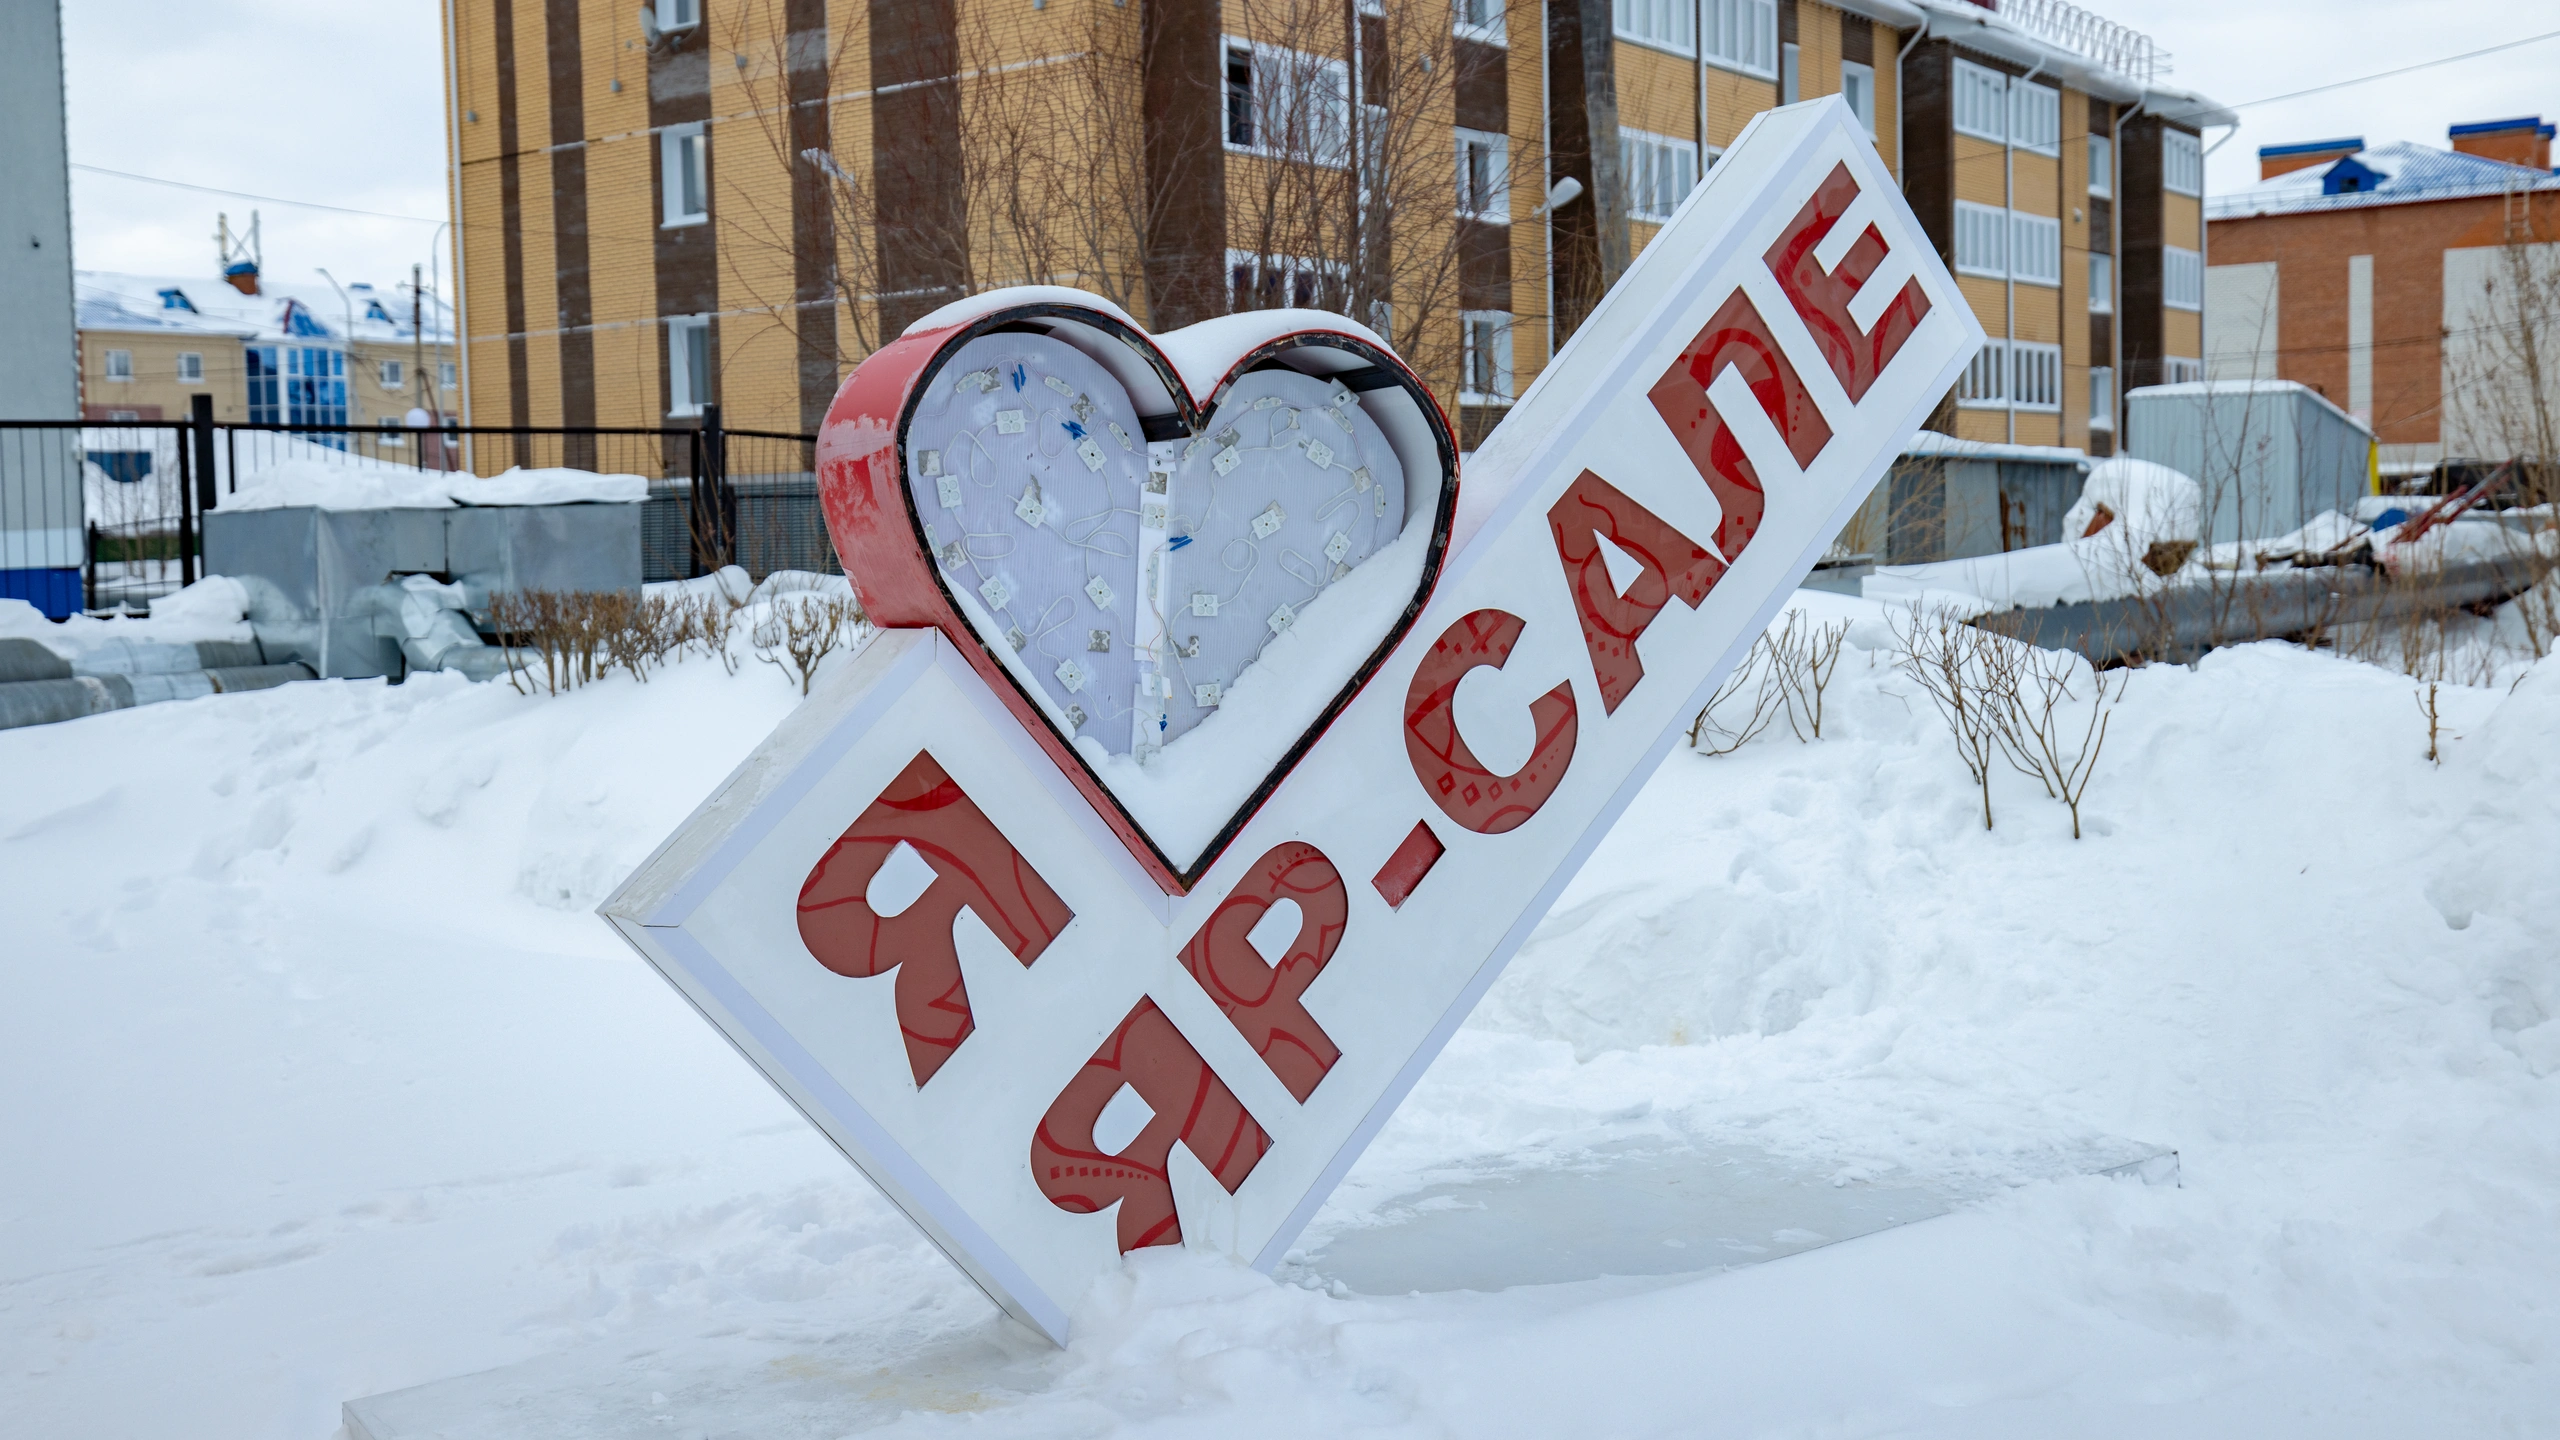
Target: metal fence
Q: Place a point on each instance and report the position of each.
(107, 515)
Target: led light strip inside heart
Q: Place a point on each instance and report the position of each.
(1180, 592)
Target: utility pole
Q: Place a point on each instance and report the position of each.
(418, 336)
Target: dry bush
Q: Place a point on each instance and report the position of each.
(2038, 724)
(577, 637)
(1719, 728)
(1806, 655)
(1971, 676)
(800, 630)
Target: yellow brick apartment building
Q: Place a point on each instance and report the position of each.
(668, 205)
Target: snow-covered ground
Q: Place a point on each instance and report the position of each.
(324, 1082)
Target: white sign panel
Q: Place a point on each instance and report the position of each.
(1082, 920)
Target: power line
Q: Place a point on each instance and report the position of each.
(245, 195)
(2387, 74)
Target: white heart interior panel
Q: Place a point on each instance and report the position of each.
(1133, 585)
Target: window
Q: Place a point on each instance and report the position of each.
(2035, 248)
(390, 373)
(2013, 374)
(684, 163)
(1985, 381)
(119, 364)
(122, 416)
(1658, 22)
(1790, 79)
(1484, 176)
(2035, 375)
(2102, 165)
(1477, 19)
(2102, 397)
(1981, 95)
(444, 374)
(389, 436)
(688, 364)
(174, 298)
(1274, 282)
(2035, 117)
(1486, 372)
(1858, 87)
(1743, 34)
(2181, 163)
(315, 390)
(1981, 239)
(2181, 278)
(1288, 104)
(2102, 284)
(266, 402)
(679, 14)
(1660, 172)
(190, 366)
(2180, 370)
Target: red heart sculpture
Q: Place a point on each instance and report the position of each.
(1176, 561)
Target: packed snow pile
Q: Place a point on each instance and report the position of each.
(214, 608)
(352, 483)
(2126, 508)
(330, 1085)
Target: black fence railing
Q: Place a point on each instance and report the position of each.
(104, 515)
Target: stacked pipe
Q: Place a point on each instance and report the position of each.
(39, 687)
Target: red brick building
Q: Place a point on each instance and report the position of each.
(2361, 273)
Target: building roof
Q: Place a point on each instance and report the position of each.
(2409, 173)
(207, 305)
(2085, 51)
(1933, 445)
(2246, 387)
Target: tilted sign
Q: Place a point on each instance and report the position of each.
(1218, 749)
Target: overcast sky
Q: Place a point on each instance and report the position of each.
(341, 101)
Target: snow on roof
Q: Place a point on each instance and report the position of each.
(2081, 50)
(1931, 445)
(2246, 387)
(2410, 173)
(287, 310)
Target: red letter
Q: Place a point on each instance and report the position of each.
(1259, 995)
(1737, 337)
(1472, 795)
(1822, 301)
(1191, 1105)
(975, 868)
(1673, 565)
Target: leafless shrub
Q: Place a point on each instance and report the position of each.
(800, 630)
(1971, 676)
(713, 621)
(2038, 721)
(1721, 728)
(2427, 707)
(1806, 655)
(577, 637)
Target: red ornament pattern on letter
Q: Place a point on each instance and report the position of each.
(1261, 996)
(1470, 794)
(1856, 355)
(1738, 337)
(975, 868)
(1673, 565)
(1191, 1105)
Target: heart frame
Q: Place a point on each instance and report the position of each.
(865, 492)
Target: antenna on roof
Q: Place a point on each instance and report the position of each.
(242, 255)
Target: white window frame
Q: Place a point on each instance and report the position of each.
(2035, 249)
(1641, 153)
(2180, 370)
(1979, 102)
(388, 434)
(1490, 32)
(190, 367)
(1741, 35)
(2181, 162)
(1858, 87)
(1494, 205)
(687, 392)
(2102, 283)
(1485, 341)
(2035, 376)
(445, 374)
(2181, 279)
(2035, 117)
(1985, 383)
(679, 14)
(1667, 25)
(2102, 165)
(119, 366)
(390, 374)
(678, 145)
(1276, 61)
(2102, 397)
(1981, 228)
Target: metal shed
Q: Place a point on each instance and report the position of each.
(2269, 454)
(1947, 499)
